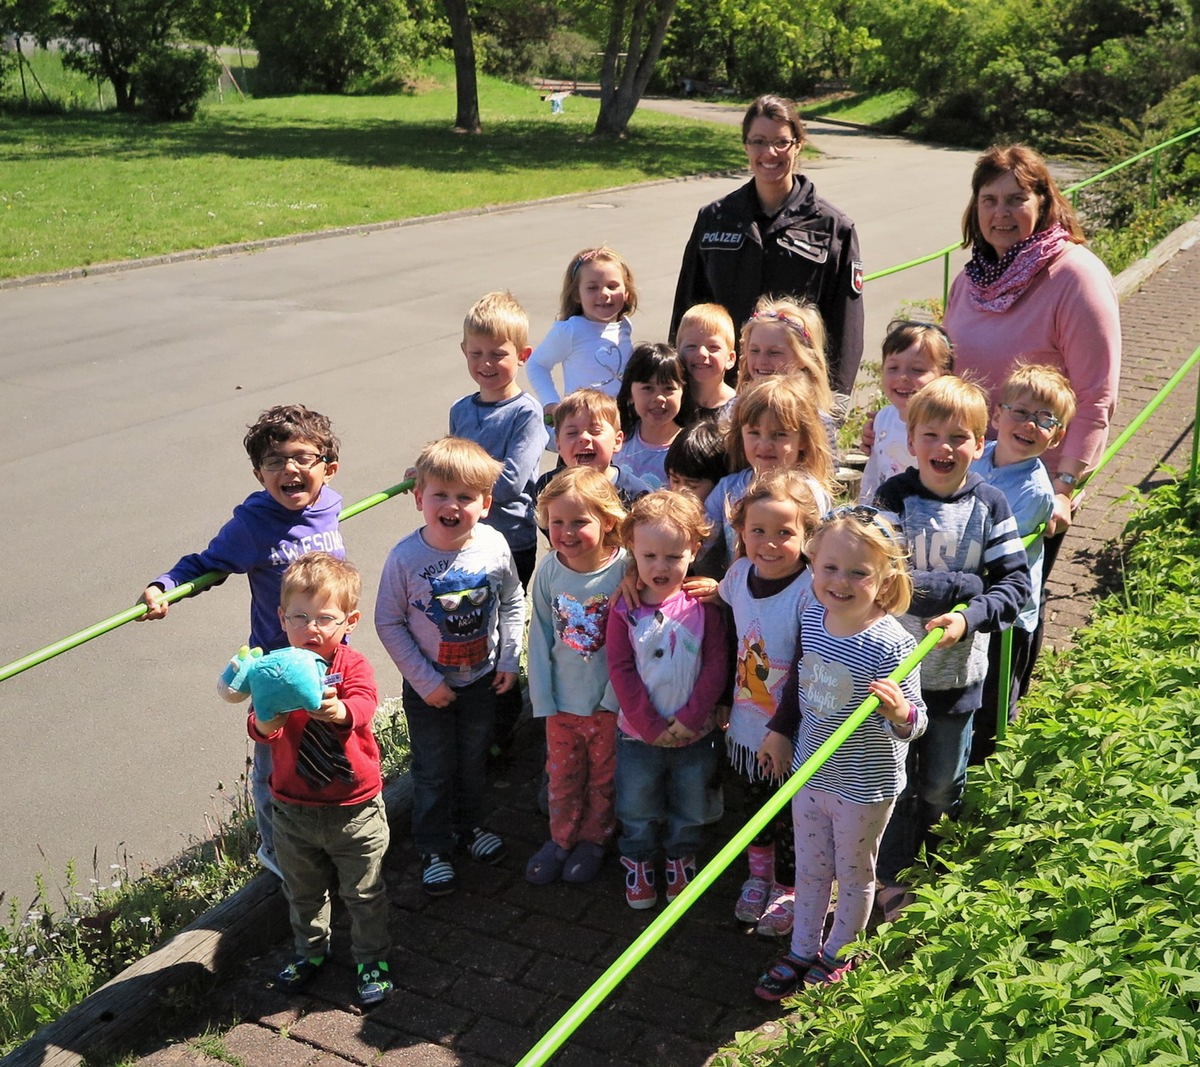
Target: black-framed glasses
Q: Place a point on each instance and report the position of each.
(303, 461)
(299, 621)
(781, 144)
(1044, 420)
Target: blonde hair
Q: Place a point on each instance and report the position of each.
(805, 333)
(711, 318)
(783, 484)
(319, 573)
(665, 507)
(569, 303)
(869, 528)
(592, 489)
(455, 459)
(948, 399)
(499, 316)
(928, 337)
(594, 402)
(788, 400)
(1047, 385)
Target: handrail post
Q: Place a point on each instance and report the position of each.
(945, 281)
(1154, 181)
(1004, 689)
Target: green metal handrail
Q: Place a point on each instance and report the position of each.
(620, 968)
(178, 593)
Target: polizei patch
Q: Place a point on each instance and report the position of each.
(715, 240)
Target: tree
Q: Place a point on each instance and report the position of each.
(636, 29)
(106, 38)
(323, 45)
(466, 85)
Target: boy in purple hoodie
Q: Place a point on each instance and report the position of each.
(294, 453)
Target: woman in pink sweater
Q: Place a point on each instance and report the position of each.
(1033, 293)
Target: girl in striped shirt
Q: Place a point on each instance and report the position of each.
(849, 643)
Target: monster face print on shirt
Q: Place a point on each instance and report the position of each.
(461, 608)
(581, 626)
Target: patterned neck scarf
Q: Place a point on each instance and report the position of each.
(997, 284)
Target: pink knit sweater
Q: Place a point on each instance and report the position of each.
(1069, 318)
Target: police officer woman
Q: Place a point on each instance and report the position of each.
(775, 236)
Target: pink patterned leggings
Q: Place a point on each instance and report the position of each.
(835, 839)
(581, 759)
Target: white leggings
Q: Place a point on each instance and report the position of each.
(835, 839)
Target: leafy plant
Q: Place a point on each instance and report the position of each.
(1060, 927)
(171, 82)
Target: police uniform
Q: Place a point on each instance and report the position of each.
(808, 249)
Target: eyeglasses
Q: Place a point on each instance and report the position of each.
(761, 144)
(1044, 420)
(324, 623)
(303, 461)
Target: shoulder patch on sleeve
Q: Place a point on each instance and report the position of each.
(856, 275)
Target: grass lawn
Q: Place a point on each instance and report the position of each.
(92, 187)
(881, 109)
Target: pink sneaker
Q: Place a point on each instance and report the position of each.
(779, 914)
(639, 884)
(679, 872)
(752, 901)
(826, 971)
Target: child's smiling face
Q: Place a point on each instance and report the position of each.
(294, 486)
(451, 511)
(944, 452)
(587, 440)
(773, 537)
(904, 373)
(493, 363)
(768, 445)
(1018, 435)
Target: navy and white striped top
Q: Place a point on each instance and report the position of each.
(834, 673)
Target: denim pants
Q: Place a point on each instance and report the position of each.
(937, 777)
(449, 762)
(317, 844)
(260, 793)
(662, 795)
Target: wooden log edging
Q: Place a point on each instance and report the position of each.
(243, 925)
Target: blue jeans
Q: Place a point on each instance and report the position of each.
(260, 793)
(449, 762)
(661, 788)
(937, 777)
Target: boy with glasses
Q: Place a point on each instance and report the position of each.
(327, 785)
(1036, 405)
(294, 453)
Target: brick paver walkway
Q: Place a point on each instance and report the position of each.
(483, 973)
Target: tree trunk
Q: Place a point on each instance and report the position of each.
(466, 87)
(647, 26)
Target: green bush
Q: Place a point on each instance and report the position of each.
(171, 82)
(1062, 928)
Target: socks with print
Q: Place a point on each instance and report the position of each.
(762, 862)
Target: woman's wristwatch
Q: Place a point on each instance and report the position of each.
(1067, 479)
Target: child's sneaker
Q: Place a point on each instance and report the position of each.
(373, 983)
(639, 884)
(437, 875)
(826, 971)
(891, 900)
(267, 858)
(299, 973)
(485, 846)
(783, 977)
(778, 916)
(679, 872)
(752, 901)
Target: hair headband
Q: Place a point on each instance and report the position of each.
(866, 516)
(584, 257)
(793, 324)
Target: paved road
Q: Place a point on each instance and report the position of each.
(126, 395)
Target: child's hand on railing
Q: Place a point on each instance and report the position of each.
(156, 608)
(954, 624)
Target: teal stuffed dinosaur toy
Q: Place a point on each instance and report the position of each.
(281, 681)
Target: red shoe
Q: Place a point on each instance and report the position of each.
(639, 884)
(679, 873)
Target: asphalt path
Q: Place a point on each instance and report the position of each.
(125, 398)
